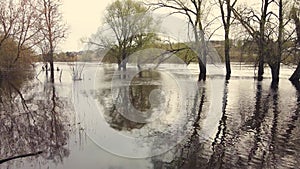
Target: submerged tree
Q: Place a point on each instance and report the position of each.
(248, 18)
(18, 35)
(11, 68)
(295, 15)
(196, 12)
(226, 20)
(128, 26)
(274, 61)
(267, 28)
(52, 29)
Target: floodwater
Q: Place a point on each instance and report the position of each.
(154, 119)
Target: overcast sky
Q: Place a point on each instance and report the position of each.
(84, 17)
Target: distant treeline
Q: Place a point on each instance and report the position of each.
(241, 51)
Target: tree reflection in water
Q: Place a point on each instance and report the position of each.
(32, 121)
(258, 126)
(186, 154)
(138, 94)
(266, 138)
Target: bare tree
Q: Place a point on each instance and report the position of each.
(18, 23)
(295, 15)
(268, 31)
(27, 23)
(196, 12)
(248, 18)
(226, 20)
(274, 61)
(53, 29)
(8, 18)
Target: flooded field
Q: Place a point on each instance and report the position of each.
(152, 119)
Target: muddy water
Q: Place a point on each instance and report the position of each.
(155, 119)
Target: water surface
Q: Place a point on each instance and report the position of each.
(240, 123)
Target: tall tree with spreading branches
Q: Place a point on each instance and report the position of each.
(249, 18)
(295, 15)
(196, 12)
(128, 26)
(267, 29)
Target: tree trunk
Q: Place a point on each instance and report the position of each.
(202, 73)
(202, 61)
(124, 60)
(227, 54)
(262, 40)
(124, 66)
(119, 64)
(202, 51)
(275, 68)
(296, 75)
(52, 71)
(226, 24)
(260, 71)
(261, 55)
(51, 67)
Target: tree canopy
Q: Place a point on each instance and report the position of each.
(128, 26)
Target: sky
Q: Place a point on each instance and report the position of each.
(83, 18)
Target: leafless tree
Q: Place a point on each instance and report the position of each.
(7, 19)
(295, 15)
(198, 15)
(268, 29)
(18, 23)
(226, 10)
(52, 29)
(249, 18)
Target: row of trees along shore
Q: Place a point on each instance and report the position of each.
(28, 27)
(272, 27)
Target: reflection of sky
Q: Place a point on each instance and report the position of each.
(241, 104)
(137, 143)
